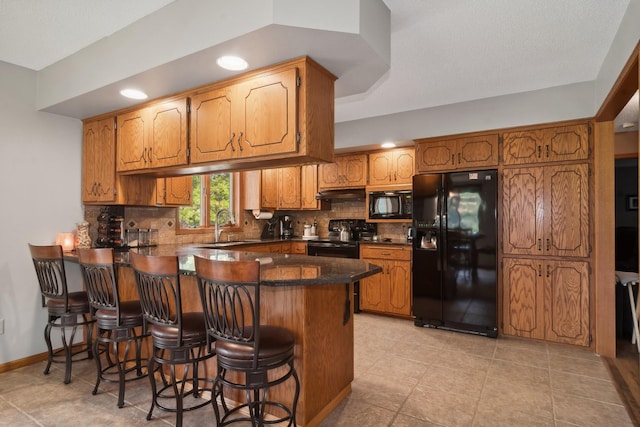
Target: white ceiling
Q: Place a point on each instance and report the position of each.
(441, 51)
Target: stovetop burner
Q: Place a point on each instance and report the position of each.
(359, 229)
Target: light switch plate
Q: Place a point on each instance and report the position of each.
(1, 326)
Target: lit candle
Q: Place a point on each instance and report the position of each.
(65, 240)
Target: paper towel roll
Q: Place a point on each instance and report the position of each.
(258, 214)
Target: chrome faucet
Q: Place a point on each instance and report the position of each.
(217, 219)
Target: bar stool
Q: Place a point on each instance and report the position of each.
(178, 338)
(116, 321)
(66, 310)
(230, 293)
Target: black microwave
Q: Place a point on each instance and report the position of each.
(395, 204)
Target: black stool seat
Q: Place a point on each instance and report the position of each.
(130, 316)
(77, 303)
(276, 344)
(193, 331)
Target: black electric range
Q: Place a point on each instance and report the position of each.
(332, 246)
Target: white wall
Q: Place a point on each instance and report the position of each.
(40, 171)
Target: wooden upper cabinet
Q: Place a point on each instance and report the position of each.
(253, 118)
(347, 171)
(99, 161)
(566, 195)
(289, 188)
(309, 189)
(269, 189)
(523, 211)
(546, 211)
(477, 152)
(212, 124)
(174, 191)
(153, 137)
(100, 183)
(269, 123)
(556, 144)
(392, 167)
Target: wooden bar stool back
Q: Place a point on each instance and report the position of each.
(179, 338)
(118, 322)
(230, 293)
(67, 311)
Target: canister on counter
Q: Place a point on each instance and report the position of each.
(131, 237)
(143, 237)
(153, 237)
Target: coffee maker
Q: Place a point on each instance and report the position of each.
(286, 227)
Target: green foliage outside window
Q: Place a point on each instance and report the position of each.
(210, 192)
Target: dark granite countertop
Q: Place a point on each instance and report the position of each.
(275, 269)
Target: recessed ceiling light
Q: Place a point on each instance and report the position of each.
(388, 145)
(233, 63)
(133, 94)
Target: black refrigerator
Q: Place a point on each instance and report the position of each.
(455, 251)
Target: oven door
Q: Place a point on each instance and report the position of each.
(338, 250)
(333, 249)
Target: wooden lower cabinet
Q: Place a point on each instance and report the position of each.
(299, 248)
(546, 299)
(388, 292)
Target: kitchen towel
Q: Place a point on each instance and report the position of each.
(258, 214)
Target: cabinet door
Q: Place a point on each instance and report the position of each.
(132, 141)
(477, 152)
(521, 148)
(433, 156)
(347, 171)
(399, 277)
(175, 191)
(168, 134)
(373, 290)
(404, 165)
(353, 171)
(523, 225)
(289, 188)
(523, 298)
(381, 168)
(309, 188)
(566, 210)
(212, 136)
(269, 123)
(299, 248)
(328, 176)
(269, 189)
(98, 161)
(566, 308)
(555, 144)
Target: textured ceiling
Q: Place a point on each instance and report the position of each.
(442, 51)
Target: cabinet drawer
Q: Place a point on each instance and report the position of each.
(386, 252)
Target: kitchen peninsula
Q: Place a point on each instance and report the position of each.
(310, 296)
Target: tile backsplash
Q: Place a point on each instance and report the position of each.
(164, 220)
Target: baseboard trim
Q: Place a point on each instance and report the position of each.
(21, 363)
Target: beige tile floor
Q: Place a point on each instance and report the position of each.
(404, 376)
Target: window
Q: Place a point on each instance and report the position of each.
(211, 194)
